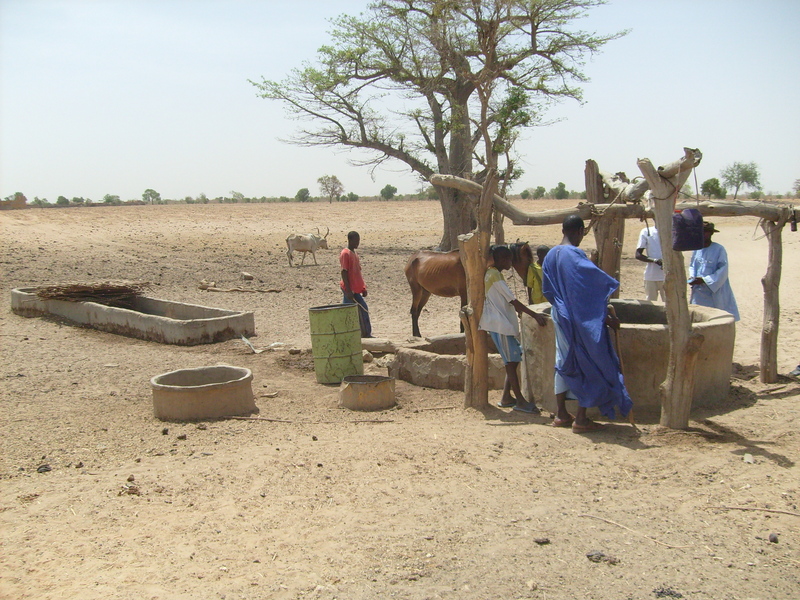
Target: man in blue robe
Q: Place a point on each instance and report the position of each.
(708, 275)
(587, 367)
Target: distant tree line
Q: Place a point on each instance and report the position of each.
(560, 192)
(735, 177)
(330, 192)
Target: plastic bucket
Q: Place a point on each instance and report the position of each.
(336, 342)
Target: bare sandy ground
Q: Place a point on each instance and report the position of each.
(432, 502)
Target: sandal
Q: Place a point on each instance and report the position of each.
(590, 426)
(563, 422)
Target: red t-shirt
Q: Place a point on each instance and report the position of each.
(352, 264)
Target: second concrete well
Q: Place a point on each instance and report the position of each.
(644, 349)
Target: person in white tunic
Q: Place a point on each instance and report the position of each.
(649, 250)
(708, 275)
(499, 319)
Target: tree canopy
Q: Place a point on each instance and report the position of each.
(331, 187)
(560, 192)
(711, 188)
(399, 82)
(151, 196)
(388, 191)
(303, 195)
(740, 174)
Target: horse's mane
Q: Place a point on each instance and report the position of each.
(520, 251)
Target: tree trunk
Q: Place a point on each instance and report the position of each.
(497, 227)
(458, 207)
(677, 389)
(457, 214)
(771, 283)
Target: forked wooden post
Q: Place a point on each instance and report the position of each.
(608, 235)
(678, 388)
(609, 230)
(772, 309)
(476, 387)
(474, 250)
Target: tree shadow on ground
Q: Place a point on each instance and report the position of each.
(722, 434)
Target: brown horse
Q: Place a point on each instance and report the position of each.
(442, 274)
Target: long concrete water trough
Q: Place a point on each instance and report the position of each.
(149, 319)
(644, 348)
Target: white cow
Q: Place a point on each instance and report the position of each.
(306, 242)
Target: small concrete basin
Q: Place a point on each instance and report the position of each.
(203, 393)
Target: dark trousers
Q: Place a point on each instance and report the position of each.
(363, 314)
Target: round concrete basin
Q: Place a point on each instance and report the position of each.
(203, 393)
(367, 392)
(644, 350)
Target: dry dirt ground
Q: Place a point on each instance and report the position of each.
(427, 500)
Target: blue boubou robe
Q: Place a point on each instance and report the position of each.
(579, 291)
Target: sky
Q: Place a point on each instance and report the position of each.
(117, 96)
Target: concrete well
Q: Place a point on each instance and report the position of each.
(149, 319)
(644, 349)
(203, 393)
(440, 363)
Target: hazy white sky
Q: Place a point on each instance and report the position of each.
(116, 96)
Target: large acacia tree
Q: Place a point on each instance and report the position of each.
(399, 82)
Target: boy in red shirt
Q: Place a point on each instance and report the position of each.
(352, 284)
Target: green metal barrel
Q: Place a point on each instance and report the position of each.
(336, 342)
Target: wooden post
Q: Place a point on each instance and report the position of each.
(476, 386)
(609, 232)
(474, 251)
(678, 388)
(594, 183)
(771, 283)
